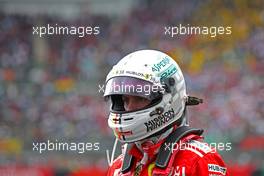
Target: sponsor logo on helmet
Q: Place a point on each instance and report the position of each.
(145, 76)
(160, 120)
(135, 73)
(168, 72)
(161, 64)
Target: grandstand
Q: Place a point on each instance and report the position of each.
(49, 86)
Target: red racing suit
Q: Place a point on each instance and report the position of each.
(189, 157)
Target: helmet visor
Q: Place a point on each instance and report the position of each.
(124, 85)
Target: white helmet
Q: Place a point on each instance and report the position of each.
(153, 75)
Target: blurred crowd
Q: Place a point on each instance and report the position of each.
(49, 86)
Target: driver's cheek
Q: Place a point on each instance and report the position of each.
(129, 105)
(134, 104)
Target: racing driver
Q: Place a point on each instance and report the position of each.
(147, 94)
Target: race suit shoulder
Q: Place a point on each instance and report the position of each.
(196, 158)
(188, 157)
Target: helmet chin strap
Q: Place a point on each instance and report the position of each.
(151, 141)
(154, 139)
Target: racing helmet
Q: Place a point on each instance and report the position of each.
(153, 75)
